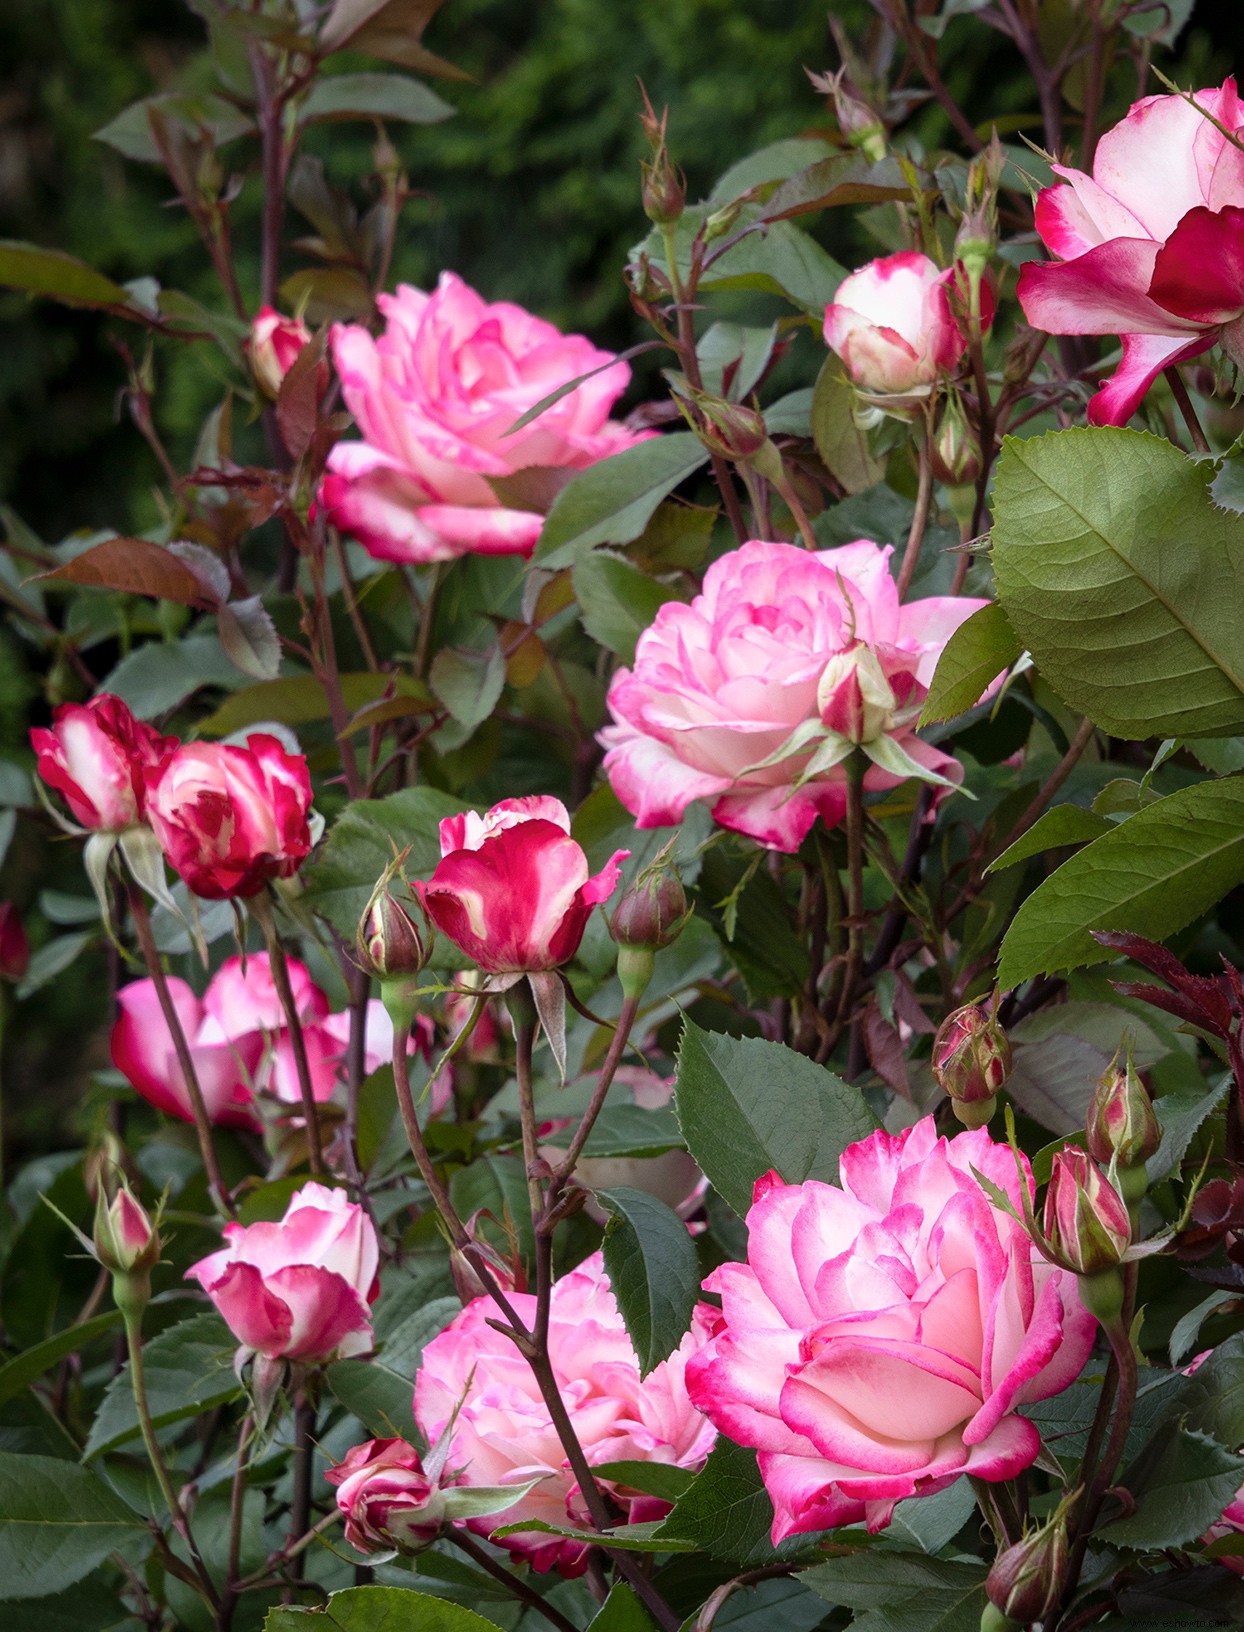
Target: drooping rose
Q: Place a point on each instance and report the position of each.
(883, 1331)
(503, 1434)
(435, 397)
(386, 1497)
(892, 325)
(97, 757)
(273, 346)
(512, 888)
(299, 1289)
(1150, 246)
(229, 819)
(723, 684)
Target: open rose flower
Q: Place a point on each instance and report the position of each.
(883, 1332)
(892, 325)
(229, 819)
(387, 1498)
(513, 889)
(97, 756)
(435, 397)
(1151, 245)
(732, 696)
(299, 1289)
(503, 1435)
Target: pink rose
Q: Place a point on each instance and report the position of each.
(892, 325)
(97, 756)
(229, 819)
(512, 889)
(503, 1434)
(883, 1332)
(778, 640)
(300, 1289)
(387, 1498)
(273, 346)
(435, 397)
(225, 1065)
(1151, 245)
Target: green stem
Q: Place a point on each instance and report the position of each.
(630, 1008)
(924, 503)
(855, 769)
(261, 907)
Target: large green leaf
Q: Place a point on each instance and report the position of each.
(51, 272)
(617, 602)
(745, 1106)
(379, 1609)
(24, 1368)
(373, 96)
(188, 1369)
(1151, 875)
(1124, 580)
(621, 1612)
(611, 501)
(839, 440)
(727, 1511)
(653, 1271)
(900, 1592)
(57, 1522)
(977, 652)
(1181, 1482)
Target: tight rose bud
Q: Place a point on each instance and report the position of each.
(128, 1245)
(1085, 1220)
(854, 697)
(971, 1062)
(1026, 1578)
(954, 451)
(861, 126)
(1122, 1124)
(14, 947)
(274, 344)
(650, 914)
(664, 189)
(387, 1498)
(390, 943)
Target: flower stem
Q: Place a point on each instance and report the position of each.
(924, 503)
(1184, 403)
(630, 1008)
(855, 768)
(261, 907)
(185, 1060)
(511, 1582)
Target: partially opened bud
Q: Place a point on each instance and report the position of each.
(854, 696)
(955, 451)
(274, 344)
(387, 1498)
(971, 1061)
(1026, 1578)
(1122, 1123)
(861, 126)
(1085, 1221)
(389, 941)
(125, 1238)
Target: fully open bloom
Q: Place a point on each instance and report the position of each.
(229, 818)
(1151, 246)
(512, 888)
(97, 756)
(435, 398)
(386, 1497)
(882, 1333)
(779, 641)
(299, 1289)
(503, 1434)
(892, 325)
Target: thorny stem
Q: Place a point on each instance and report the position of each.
(524, 1036)
(300, 1505)
(185, 1060)
(237, 1500)
(261, 907)
(1184, 403)
(294, 1549)
(274, 161)
(924, 503)
(512, 1583)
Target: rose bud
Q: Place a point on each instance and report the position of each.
(955, 452)
(651, 911)
(854, 697)
(1085, 1220)
(730, 429)
(128, 1245)
(228, 818)
(664, 189)
(861, 126)
(274, 344)
(14, 947)
(1026, 1578)
(892, 325)
(971, 1062)
(1122, 1125)
(97, 756)
(387, 1498)
(389, 941)
(299, 1289)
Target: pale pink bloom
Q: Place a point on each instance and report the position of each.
(225, 1065)
(512, 888)
(273, 346)
(503, 1434)
(721, 685)
(1151, 246)
(299, 1289)
(97, 756)
(884, 1330)
(386, 1497)
(892, 325)
(228, 818)
(435, 397)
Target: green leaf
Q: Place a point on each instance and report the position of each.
(626, 1130)
(783, 1603)
(130, 133)
(617, 602)
(360, 845)
(1181, 1115)
(844, 178)
(1181, 1483)
(839, 440)
(621, 1612)
(652, 1267)
(160, 675)
(373, 96)
(980, 648)
(249, 638)
(1061, 1052)
(188, 1369)
(1127, 622)
(1187, 1328)
(745, 1106)
(24, 1368)
(1152, 875)
(1065, 824)
(664, 1479)
(57, 1522)
(379, 1391)
(1212, 1399)
(380, 1609)
(39, 271)
(727, 1511)
(610, 502)
(468, 683)
(80, 1608)
(298, 699)
(900, 1592)
(777, 162)
(933, 1521)
(630, 1538)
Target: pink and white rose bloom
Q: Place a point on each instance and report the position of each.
(503, 1434)
(1150, 246)
(435, 397)
(512, 888)
(300, 1289)
(229, 819)
(883, 1332)
(96, 755)
(892, 325)
(774, 642)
